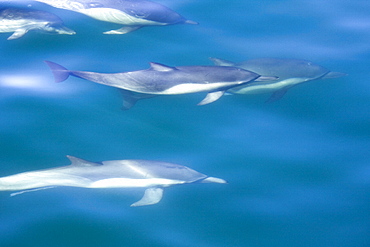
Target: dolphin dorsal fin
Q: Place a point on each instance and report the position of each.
(161, 67)
(80, 162)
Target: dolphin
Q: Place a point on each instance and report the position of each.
(290, 72)
(152, 175)
(21, 20)
(133, 14)
(161, 79)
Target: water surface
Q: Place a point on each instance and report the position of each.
(298, 169)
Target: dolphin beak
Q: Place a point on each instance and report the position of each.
(191, 22)
(66, 30)
(214, 180)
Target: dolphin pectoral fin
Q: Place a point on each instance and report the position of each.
(211, 97)
(151, 196)
(123, 30)
(333, 75)
(60, 73)
(277, 95)
(18, 33)
(221, 62)
(130, 98)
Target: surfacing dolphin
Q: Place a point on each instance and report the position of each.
(153, 175)
(160, 79)
(22, 20)
(133, 14)
(289, 71)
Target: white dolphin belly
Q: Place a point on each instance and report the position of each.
(30, 180)
(117, 16)
(12, 25)
(267, 88)
(129, 182)
(193, 88)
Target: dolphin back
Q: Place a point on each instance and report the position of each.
(142, 9)
(147, 10)
(152, 169)
(29, 14)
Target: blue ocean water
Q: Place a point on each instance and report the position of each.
(298, 169)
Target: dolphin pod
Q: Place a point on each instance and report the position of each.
(132, 14)
(21, 20)
(152, 175)
(290, 72)
(264, 75)
(161, 79)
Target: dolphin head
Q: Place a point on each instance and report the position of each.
(58, 29)
(53, 23)
(285, 68)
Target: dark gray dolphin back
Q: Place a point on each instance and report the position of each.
(210, 74)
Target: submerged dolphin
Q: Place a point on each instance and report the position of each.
(21, 20)
(289, 71)
(160, 79)
(152, 175)
(133, 14)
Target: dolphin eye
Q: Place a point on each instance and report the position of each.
(50, 26)
(138, 14)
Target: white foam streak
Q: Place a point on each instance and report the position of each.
(31, 83)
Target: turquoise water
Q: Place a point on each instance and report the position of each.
(298, 169)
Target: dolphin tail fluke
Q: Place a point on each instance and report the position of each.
(151, 196)
(211, 97)
(60, 73)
